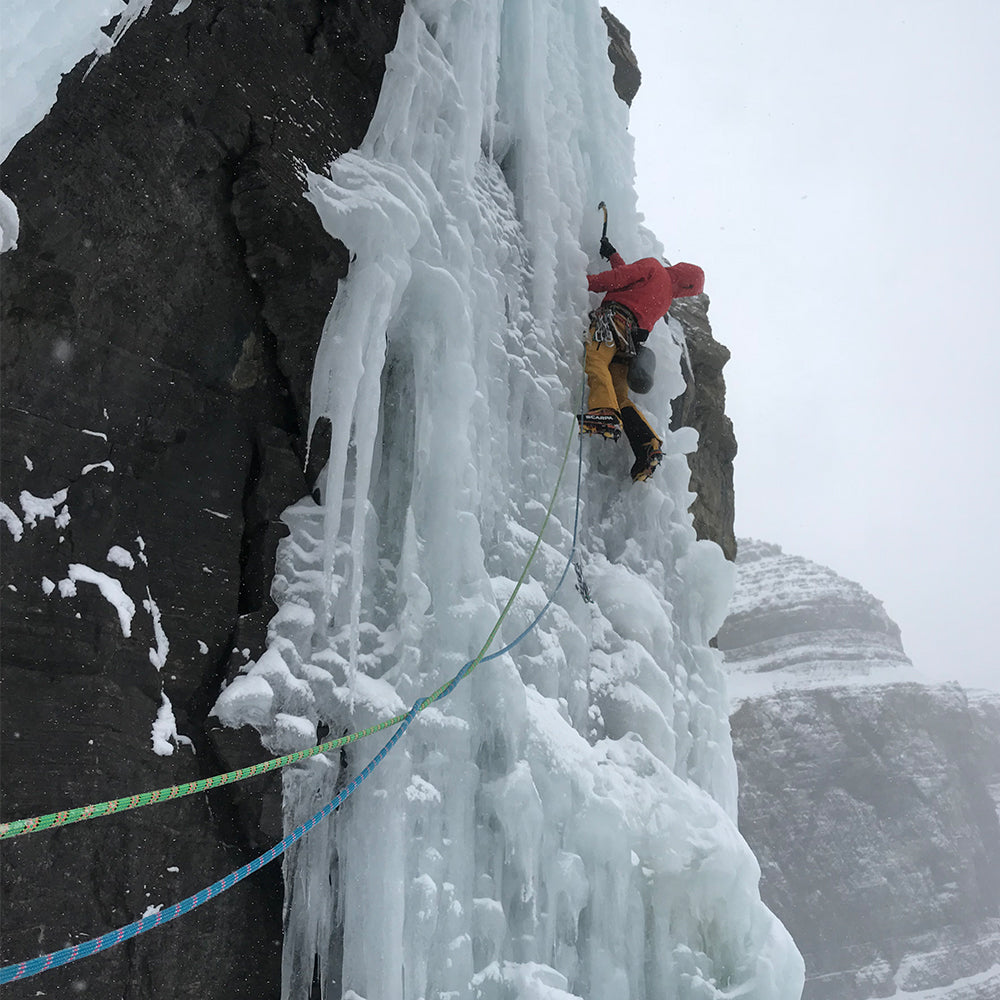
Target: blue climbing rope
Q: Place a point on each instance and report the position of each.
(23, 970)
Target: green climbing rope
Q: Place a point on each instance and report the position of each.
(17, 827)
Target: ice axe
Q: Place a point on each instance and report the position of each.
(642, 365)
(604, 233)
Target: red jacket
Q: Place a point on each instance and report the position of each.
(647, 287)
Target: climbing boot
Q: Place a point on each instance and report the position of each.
(646, 463)
(646, 446)
(605, 422)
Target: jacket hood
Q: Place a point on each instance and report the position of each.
(688, 279)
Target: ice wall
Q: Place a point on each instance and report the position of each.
(563, 824)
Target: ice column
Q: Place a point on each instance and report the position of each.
(563, 824)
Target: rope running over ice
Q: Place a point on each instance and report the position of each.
(32, 967)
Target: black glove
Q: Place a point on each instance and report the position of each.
(606, 248)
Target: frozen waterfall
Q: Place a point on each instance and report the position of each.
(563, 824)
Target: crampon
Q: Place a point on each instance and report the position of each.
(645, 466)
(607, 423)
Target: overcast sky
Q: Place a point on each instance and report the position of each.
(835, 170)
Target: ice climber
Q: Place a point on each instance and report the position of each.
(637, 296)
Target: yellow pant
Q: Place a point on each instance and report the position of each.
(607, 379)
(607, 382)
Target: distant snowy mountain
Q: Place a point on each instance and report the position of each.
(871, 799)
(795, 624)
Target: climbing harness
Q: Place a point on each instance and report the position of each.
(613, 323)
(32, 967)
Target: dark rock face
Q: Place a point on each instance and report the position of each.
(160, 318)
(871, 808)
(627, 75)
(703, 407)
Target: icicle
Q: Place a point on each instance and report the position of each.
(134, 9)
